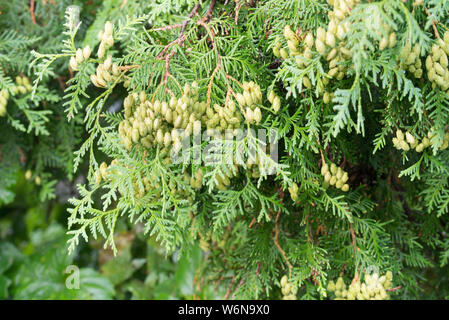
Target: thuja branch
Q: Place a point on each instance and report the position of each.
(208, 15)
(276, 243)
(180, 41)
(435, 30)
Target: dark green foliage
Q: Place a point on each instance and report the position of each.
(394, 216)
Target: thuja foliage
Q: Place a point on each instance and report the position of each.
(355, 93)
(34, 135)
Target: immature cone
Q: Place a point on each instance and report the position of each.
(79, 55)
(437, 64)
(288, 290)
(101, 50)
(28, 174)
(288, 33)
(276, 104)
(326, 98)
(108, 29)
(293, 191)
(257, 115)
(309, 40)
(73, 64)
(383, 43)
(86, 52)
(108, 63)
(4, 96)
(283, 53)
(155, 123)
(410, 138)
(271, 96)
(374, 287)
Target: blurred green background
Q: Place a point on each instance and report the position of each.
(34, 259)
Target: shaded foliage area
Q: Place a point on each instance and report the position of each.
(359, 86)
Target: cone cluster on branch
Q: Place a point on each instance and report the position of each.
(388, 40)
(22, 86)
(106, 72)
(410, 60)
(293, 191)
(407, 141)
(224, 181)
(288, 289)
(275, 101)
(152, 186)
(4, 96)
(106, 39)
(437, 64)
(335, 176)
(373, 288)
(80, 56)
(249, 100)
(166, 123)
(330, 44)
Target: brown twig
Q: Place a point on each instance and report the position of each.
(161, 54)
(235, 80)
(265, 25)
(33, 17)
(310, 235)
(173, 26)
(170, 92)
(228, 292)
(209, 11)
(180, 41)
(22, 155)
(323, 162)
(314, 274)
(239, 285)
(182, 37)
(191, 14)
(237, 9)
(321, 229)
(356, 277)
(70, 72)
(394, 289)
(167, 65)
(259, 266)
(228, 95)
(343, 270)
(276, 243)
(353, 237)
(209, 86)
(435, 30)
(126, 68)
(202, 23)
(252, 222)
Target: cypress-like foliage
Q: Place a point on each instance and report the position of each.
(353, 95)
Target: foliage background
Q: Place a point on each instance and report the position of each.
(33, 218)
(400, 224)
